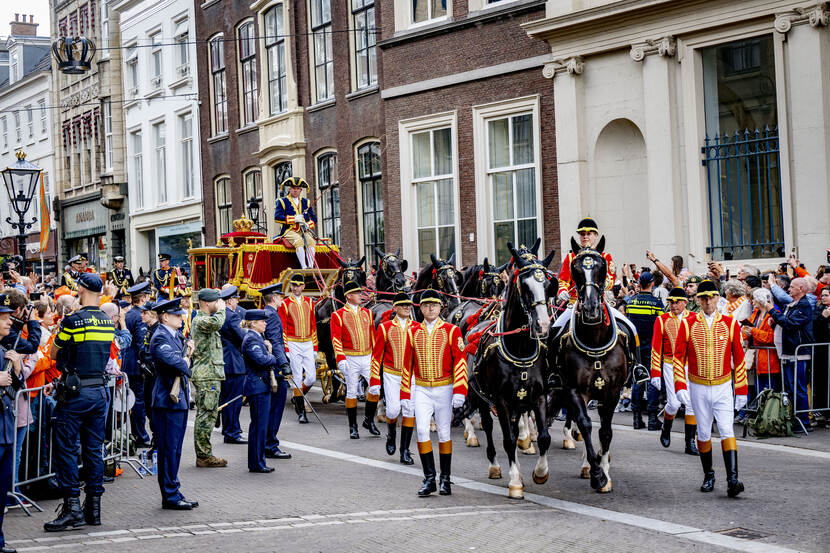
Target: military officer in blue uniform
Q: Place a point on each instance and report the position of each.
(70, 277)
(171, 359)
(162, 277)
(121, 277)
(7, 418)
(139, 294)
(297, 218)
(232, 336)
(272, 298)
(260, 362)
(82, 350)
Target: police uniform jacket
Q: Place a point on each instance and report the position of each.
(274, 334)
(232, 336)
(285, 213)
(84, 339)
(710, 352)
(392, 346)
(642, 310)
(167, 353)
(137, 328)
(436, 359)
(258, 362)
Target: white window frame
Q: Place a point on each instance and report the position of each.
(353, 15)
(429, 20)
(104, 42)
(5, 133)
(108, 134)
(406, 128)
(137, 173)
(320, 193)
(245, 118)
(273, 45)
(182, 55)
(30, 121)
(156, 65)
(44, 122)
(312, 55)
(215, 127)
(228, 205)
(247, 194)
(18, 132)
(485, 235)
(186, 154)
(159, 134)
(131, 69)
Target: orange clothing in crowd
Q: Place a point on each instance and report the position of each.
(766, 360)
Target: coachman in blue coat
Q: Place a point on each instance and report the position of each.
(171, 359)
(232, 335)
(297, 218)
(272, 297)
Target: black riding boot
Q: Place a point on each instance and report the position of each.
(733, 485)
(428, 462)
(406, 438)
(299, 407)
(654, 422)
(351, 412)
(708, 474)
(638, 420)
(691, 446)
(92, 510)
(445, 459)
(665, 435)
(369, 419)
(392, 427)
(70, 516)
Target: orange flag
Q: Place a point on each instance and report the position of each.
(44, 217)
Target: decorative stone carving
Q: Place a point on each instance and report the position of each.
(663, 47)
(816, 15)
(573, 66)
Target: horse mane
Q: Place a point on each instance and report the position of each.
(469, 286)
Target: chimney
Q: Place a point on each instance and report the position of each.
(23, 28)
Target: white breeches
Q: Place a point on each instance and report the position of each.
(713, 402)
(392, 397)
(356, 366)
(672, 403)
(433, 402)
(301, 357)
(306, 256)
(566, 315)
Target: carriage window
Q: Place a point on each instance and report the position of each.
(371, 190)
(511, 172)
(329, 189)
(224, 205)
(432, 176)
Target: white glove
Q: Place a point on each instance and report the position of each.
(564, 295)
(341, 365)
(374, 390)
(657, 381)
(740, 402)
(458, 400)
(406, 405)
(683, 396)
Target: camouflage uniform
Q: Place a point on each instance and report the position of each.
(208, 373)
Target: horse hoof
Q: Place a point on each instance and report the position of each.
(577, 436)
(326, 399)
(541, 479)
(382, 419)
(534, 436)
(568, 444)
(607, 488)
(466, 434)
(516, 492)
(530, 450)
(495, 473)
(472, 441)
(585, 473)
(523, 444)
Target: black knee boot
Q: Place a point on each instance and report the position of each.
(733, 485)
(654, 422)
(92, 510)
(351, 413)
(406, 438)
(392, 427)
(445, 459)
(369, 419)
(638, 419)
(691, 446)
(708, 474)
(428, 462)
(70, 516)
(665, 435)
(299, 407)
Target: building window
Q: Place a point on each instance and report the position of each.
(366, 71)
(155, 61)
(108, 138)
(281, 172)
(186, 152)
(247, 61)
(43, 121)
(132, 71)
(30, 121)
(220, 99)
(741, 152)
(159, 160)
(182, 47)
(17, 125)
(253, 191)
(275, 54)
(224, 205)
(323, 58)
(424, 10)
(105, 30)
(371, 189)
(5, 134)
(137, 194)
(329, 190)
(432, 176)
(511, 176)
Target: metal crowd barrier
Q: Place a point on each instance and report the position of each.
(819, 363)
(116, 439)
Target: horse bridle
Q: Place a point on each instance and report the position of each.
(540, 273)
(439, 278)
(580, 289)
(483, 280)
(384, 265)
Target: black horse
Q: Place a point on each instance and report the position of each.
(390, 279)
(480, 281)
(511, 369)
(440, 275)
(592, 362)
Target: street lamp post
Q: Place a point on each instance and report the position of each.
(253, 213)
(20, 180)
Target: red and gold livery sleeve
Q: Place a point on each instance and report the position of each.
(738, 359)
(285, 317)
(657, 348)
(611, 271)
(337, 336)
(459, 361)
(409, 360)
(680, 353)
(377, 355)
(565, 281)
(313, 322)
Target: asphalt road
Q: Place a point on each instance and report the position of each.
(338, 494)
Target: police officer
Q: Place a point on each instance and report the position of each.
(121, 277)
(162, 277)
(145, 362)
(171, 397)
(272, 297)
(261, 363)
(7, 416)
(139, 295)
(232, 336)
(82, 350)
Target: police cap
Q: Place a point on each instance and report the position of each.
(272, 289)
(171, 307)
(140, 288)
(255, 315)
(91, 282)
(229, 291)
(5, 303)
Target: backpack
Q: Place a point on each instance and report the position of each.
(774, 415)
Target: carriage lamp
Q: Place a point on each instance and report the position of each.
(74, 54)
(253, 213)
(20, 180)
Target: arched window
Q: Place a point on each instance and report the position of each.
(282, 171)
(329, 190)
(224, 206)
(371, 189)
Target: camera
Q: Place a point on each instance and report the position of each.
(10, 263)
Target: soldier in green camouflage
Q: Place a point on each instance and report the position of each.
(208, 372)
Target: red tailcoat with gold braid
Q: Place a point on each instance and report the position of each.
(392, 346)
(352, 333)
(666, 327)
(437, 359)
(567, 283)
(711, 353)
(298, 322)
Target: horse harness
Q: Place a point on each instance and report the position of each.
(594, 353)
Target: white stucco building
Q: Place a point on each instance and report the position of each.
(162, 128)
(640, 85)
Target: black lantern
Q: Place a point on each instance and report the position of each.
(20, 180)
(74, 55)
(253, 213)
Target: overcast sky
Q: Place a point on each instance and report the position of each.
(38, 8)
